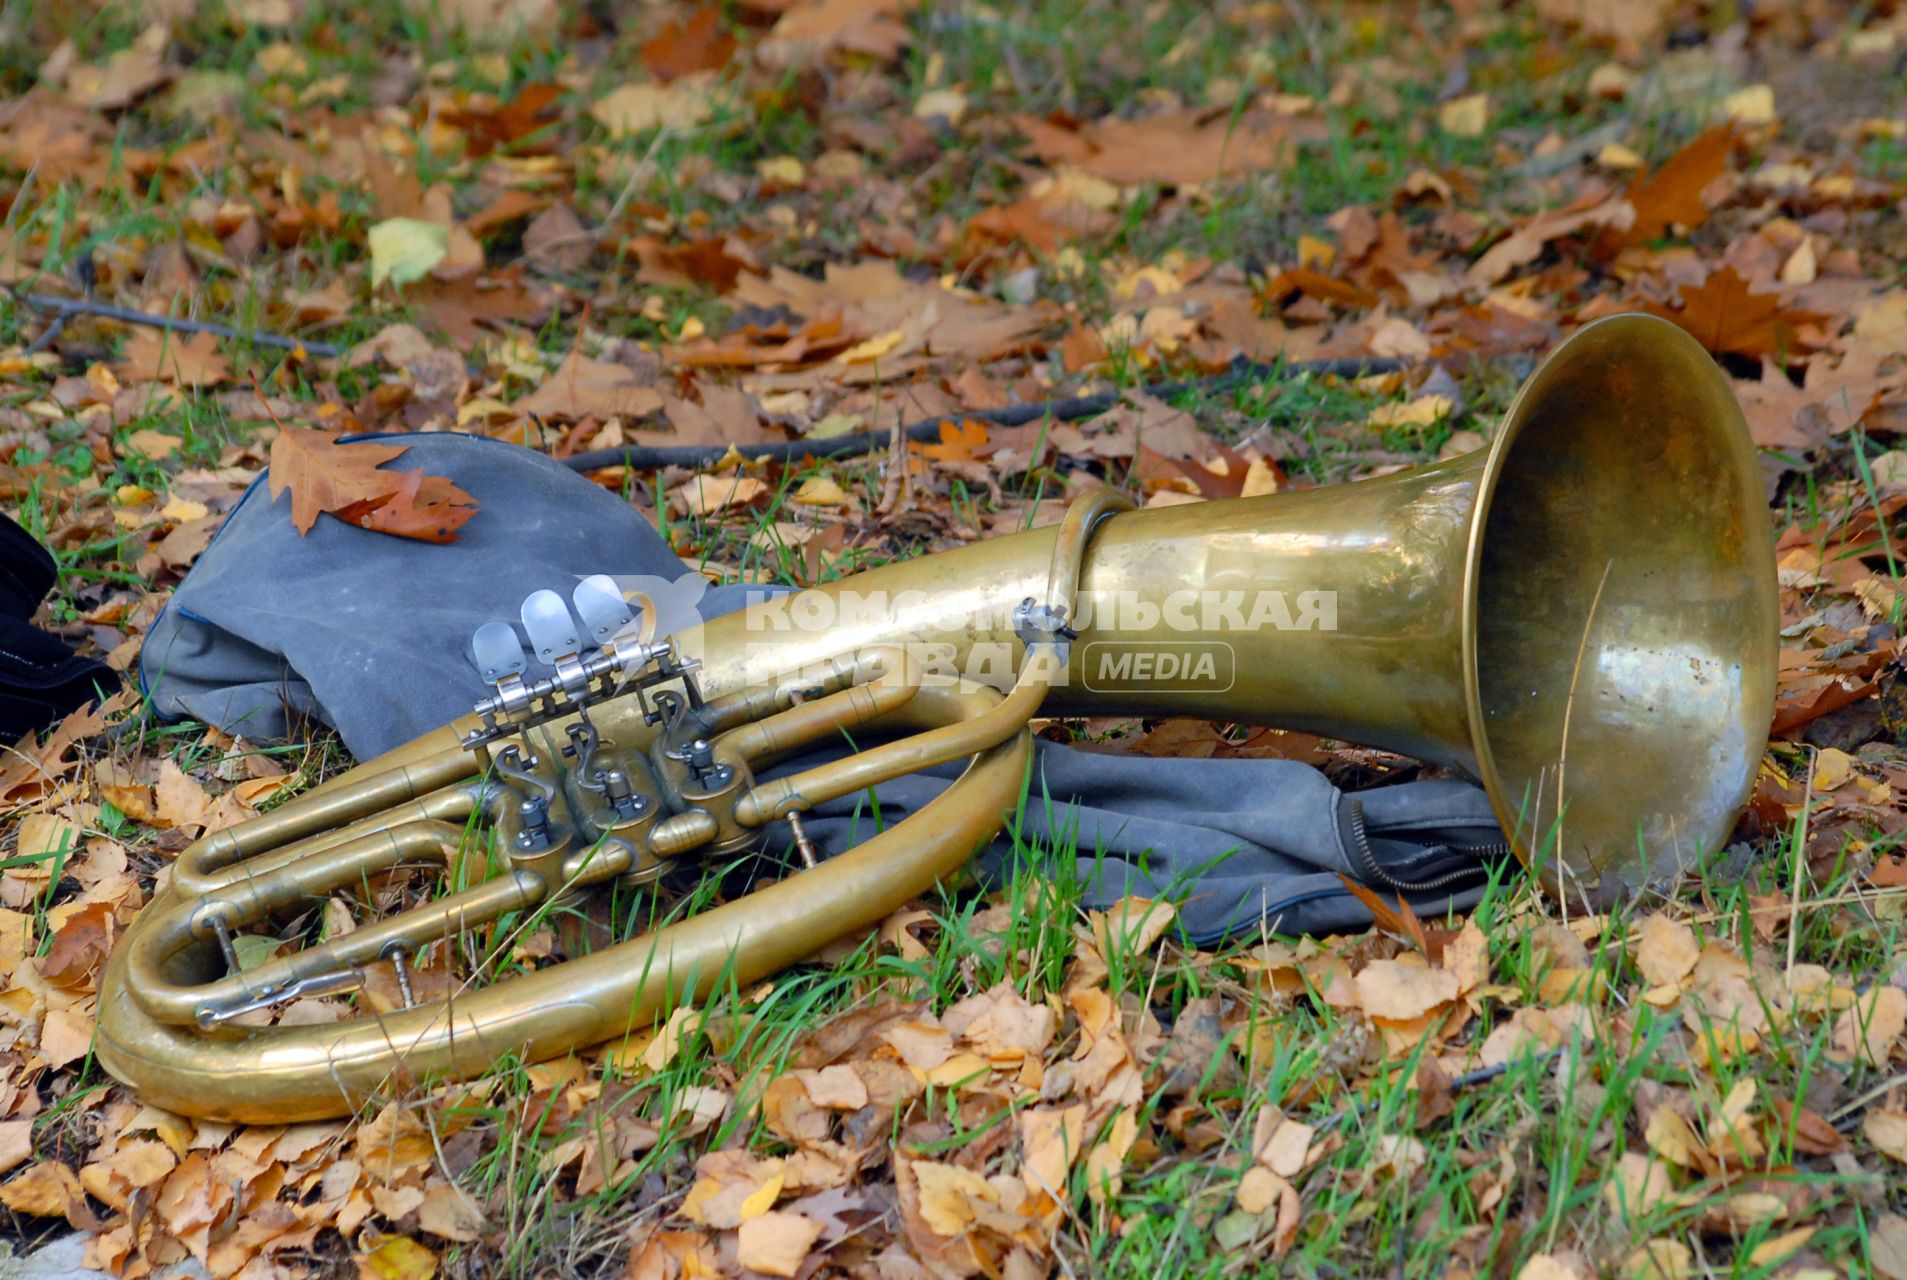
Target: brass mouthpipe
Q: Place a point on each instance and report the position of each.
(1005, 717)
(762, 742)
(744, 706)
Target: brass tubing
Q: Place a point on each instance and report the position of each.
(446, 804)
(341, 801)
(764, 741)
(736, 710)
(418, 927)
(1069, 545)
(176, 922)
(284, 1075)
(771, 800)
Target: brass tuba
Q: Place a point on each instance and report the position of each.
(1582, 616)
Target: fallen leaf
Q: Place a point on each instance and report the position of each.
(685, 46)
(776, 1244)
(638, 108)
(188, 359)
(1466, 117)
(584, 388)
(45, 1190)
(1667, 951)
(1887, 1130)
(1887, 1246)
(398, 1258)
(1726, 317)
(16, 1144)
(1400, 992)
(403, 250)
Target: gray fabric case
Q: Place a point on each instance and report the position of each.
(370, 634)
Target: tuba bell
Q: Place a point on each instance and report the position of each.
(1581, 616)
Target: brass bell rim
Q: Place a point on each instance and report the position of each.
(1725, 427)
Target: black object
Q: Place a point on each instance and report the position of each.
(41, 680)
(1071, 409)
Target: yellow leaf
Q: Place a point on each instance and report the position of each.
(951, 1198)
(1399, 992)
(1832, 769)
(1424, 411)
(1616, 156)
(874, 348)
(1754, 105)
(637, 108)
(1545, 1266)
(1260, 479)
(1801, 266)
(1050, 1140)
(1316, 254)
(1132, 925)
(154, 444)
(786, 171)
(403, 250)
(822, 491)
(1666, 952)
(948, 104)
(398, 1258)
(1887, 1130)
(46, 1190)
(1107, 1160)
(1670, 1137)
(1868, 1029)
(732, 1187)
(1259, 1189)
(1466, 116)
(1769, 1252)
(776, 1244)
(1660, 1260)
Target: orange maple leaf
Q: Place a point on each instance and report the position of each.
(959, 442)
(1729, 319)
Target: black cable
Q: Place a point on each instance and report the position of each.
(655, 457)
(66, 308)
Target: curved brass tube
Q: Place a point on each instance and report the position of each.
(287, 1074)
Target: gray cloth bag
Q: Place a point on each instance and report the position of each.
(370, 634)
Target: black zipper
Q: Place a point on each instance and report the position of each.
(1365, 861)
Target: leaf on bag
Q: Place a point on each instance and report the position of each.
(345, 480)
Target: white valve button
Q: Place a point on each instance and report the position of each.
(552, 631)
(497, 652)
(601, 607)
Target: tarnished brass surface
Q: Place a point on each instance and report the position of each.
(1582, 616)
